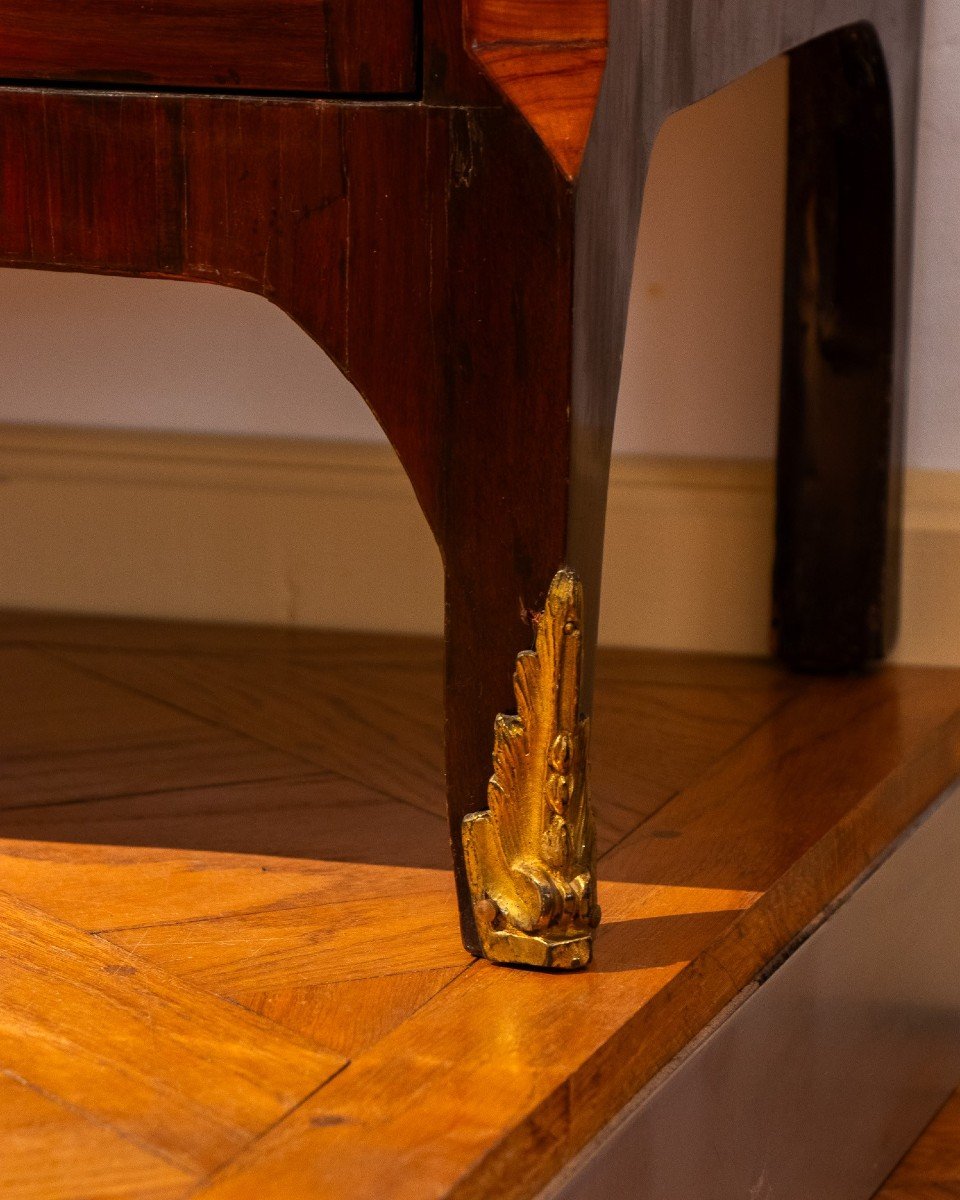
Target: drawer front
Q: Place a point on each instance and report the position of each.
(312, 46)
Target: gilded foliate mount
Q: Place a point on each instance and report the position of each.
(531, 857)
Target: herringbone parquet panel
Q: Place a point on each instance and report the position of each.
(229, 959)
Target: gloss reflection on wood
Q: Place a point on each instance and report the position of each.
(463, 252)
(247, 981)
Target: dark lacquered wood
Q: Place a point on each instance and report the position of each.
(662, 57)
(466, 258)
(837, 571)
(358, 46)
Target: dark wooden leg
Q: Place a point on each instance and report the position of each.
(507, 491)
(525, 868)
(507, 509)
(838, 489)
(505, 529)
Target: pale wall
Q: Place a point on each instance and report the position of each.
(700, 367)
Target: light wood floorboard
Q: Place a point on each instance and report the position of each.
(229, 959)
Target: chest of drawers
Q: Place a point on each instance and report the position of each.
(446, 198)
(301, 46)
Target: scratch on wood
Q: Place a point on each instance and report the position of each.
(465, 147)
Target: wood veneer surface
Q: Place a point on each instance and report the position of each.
(320, 46)
(229, 957)
(462, 252)
(931, 1170)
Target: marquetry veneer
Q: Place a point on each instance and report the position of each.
(445, 196)
(229, 964)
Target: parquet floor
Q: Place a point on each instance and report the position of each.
(931, 1171)
(229, 959)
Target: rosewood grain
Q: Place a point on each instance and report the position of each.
(465, 257)
(323, 46)
(548, 60)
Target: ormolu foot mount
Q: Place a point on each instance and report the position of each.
(531, 857)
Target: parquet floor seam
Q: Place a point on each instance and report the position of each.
(232, 971)
(211, 1176)
(311, 772)
(157, 699)
(289, 910)
(227, 726)
(87, 1116)
(160, 791)
(731, 749)
(98, 937)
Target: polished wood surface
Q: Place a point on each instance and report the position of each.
(931, 1171)
(548, 60)
(844, 413)
(325, 46)
(464, 253)
(229, 962)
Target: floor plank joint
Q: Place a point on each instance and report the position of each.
(231, 965)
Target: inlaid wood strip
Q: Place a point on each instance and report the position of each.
(350, 1016)
(220, 852)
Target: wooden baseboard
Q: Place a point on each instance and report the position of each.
(234, 529)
